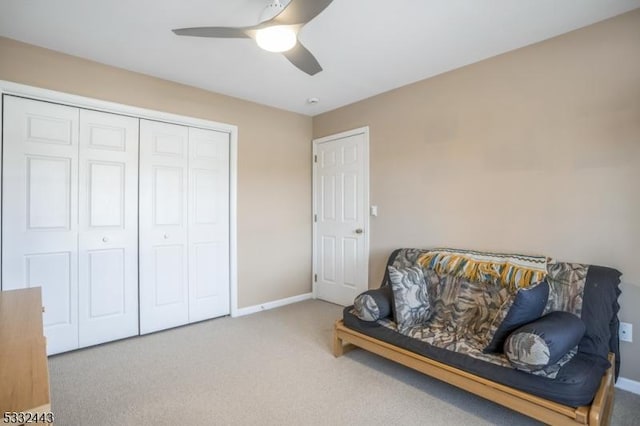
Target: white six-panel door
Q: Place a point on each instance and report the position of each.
(108, 234)
(208, 224)
(120, 243)
(184, 225)
(40, 206)
(164, 287)
(340, 249)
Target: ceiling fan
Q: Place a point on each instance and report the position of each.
(278, 33)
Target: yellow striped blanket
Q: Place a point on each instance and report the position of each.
(509, 270)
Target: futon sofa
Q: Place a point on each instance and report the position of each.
(535, 335)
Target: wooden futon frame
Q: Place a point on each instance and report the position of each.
(598, 413)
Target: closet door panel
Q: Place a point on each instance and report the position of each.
(106, 193)
(168, 192)
(54, 271)
(40, 204)
(108, 239)
(48, 192)
(168, 264)
(208, 224)
(164, 300)
(106, 291)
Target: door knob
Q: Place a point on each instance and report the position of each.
(105, 239)
(359, 231)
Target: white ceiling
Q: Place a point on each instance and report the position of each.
(366, 47)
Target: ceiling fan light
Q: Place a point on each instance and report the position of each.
(276, 39)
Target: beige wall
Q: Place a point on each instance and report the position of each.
(534, 151)
(274, 227)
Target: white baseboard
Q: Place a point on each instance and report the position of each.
(628, 385)
(270, 305)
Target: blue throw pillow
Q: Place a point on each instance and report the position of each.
(545, 341)
(373, 305)
(527, 305)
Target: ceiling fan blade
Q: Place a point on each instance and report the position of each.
(300, 12)
(215, 32)
(303, 59)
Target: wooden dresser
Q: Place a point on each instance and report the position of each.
(24, 374)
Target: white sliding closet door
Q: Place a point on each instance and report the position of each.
(123, 222)
(40, 205)
(208, 224)
(184, 225)
(108, 239)
(164, 300)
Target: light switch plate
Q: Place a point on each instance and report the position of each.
(374, 210)
(626, 332)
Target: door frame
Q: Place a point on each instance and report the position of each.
(314, 166)
(46, 95)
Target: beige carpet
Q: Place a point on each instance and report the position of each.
(271, 368)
